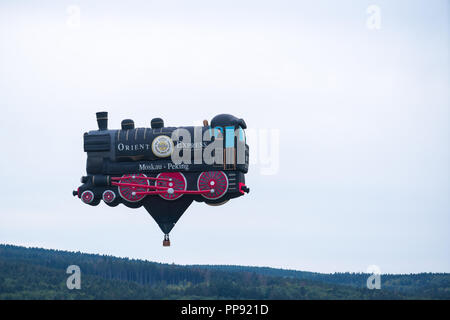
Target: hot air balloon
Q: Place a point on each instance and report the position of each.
(165, 169)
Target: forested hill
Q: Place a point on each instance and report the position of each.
(428, 284)
(33, 273)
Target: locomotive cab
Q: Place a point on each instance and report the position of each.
(236, 150)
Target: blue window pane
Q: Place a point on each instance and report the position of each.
(229, 137)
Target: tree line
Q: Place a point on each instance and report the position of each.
(34, 273)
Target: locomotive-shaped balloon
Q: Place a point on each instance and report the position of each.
(164, 169)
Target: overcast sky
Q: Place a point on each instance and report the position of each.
(358, 100)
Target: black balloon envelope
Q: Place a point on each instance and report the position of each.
(163, 168)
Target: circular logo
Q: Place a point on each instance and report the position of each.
(162, 146)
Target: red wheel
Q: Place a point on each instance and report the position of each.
(216, 181)
(87, 196)
(178, 182)
(108, 196)
(129, 193)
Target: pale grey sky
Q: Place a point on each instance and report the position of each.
(362, 116)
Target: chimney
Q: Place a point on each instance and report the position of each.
(102, 120)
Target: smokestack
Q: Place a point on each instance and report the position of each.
(102, 120)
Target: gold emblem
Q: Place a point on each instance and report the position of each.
(162, 146)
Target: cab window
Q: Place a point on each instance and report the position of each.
(229, 137)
